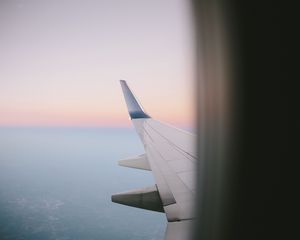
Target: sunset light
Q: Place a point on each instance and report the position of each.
(64, 70)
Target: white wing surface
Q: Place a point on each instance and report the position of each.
(171, 155)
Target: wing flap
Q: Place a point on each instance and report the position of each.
(139, 162)
(178, 230)
(146, 198)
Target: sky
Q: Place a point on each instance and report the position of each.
(61, 61)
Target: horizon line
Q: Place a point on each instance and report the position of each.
(111, 126)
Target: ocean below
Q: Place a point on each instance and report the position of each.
(56, 184)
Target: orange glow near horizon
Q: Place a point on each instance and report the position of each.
(94, 117)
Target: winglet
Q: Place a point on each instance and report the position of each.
(134, 108)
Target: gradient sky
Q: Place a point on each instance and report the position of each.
(60, 61)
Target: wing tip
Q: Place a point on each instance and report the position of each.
(134, 108)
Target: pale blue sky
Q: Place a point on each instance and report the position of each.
(60, 61)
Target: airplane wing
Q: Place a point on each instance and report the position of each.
(170, 154)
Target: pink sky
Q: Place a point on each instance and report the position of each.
(61, 61)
